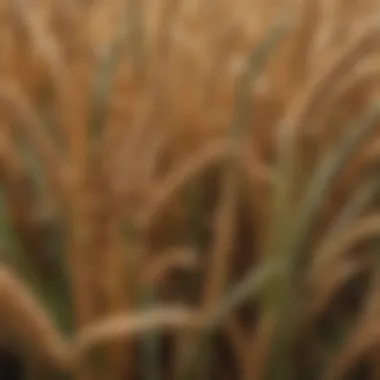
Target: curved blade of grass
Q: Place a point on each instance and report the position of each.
(238, 126)
(52, 293)
(325, 175)
(129, 32)
(361, 199)
(282, 298)
(107, 61)
(252, 285)
(366, 194)
(36, 196)
(356, 340)
(255, 66)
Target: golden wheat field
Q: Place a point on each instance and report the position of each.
(189, 189)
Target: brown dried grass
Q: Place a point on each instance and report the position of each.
(143, 155)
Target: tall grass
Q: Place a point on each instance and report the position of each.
(189, 189)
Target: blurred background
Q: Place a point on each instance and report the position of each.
(189, 189)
